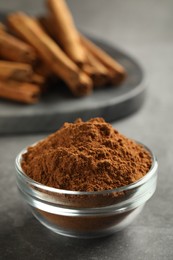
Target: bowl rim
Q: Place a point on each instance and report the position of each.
(140, 182)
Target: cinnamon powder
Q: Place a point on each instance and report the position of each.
(86, 156)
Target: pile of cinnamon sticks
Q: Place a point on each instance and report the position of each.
(33, 49)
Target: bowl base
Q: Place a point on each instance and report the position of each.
(108, 224)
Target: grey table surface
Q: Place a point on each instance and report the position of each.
(144, 29)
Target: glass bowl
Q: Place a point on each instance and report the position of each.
(86, 214)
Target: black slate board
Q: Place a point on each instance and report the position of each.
(59, 106)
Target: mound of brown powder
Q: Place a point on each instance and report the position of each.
(86, 156)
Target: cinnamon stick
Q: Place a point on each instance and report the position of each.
(101, 72)
(15, 71)
(13, 49)
(92, 67)
(78, 82)
(117, 71)
(66, 32)
(20, 92)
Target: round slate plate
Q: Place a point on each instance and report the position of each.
(59, 106)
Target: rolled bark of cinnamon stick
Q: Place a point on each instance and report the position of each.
(15, 71)
(13, 49)
(117, 71)
(20, 92)
(66, 32)
(78, 82)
